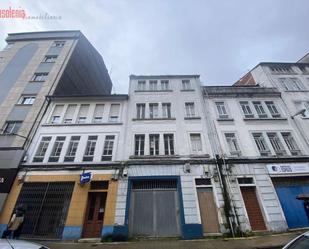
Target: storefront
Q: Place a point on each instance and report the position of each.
(64, 204)
(292, 181)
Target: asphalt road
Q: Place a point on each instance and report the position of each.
(265, 242)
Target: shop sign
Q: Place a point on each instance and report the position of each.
(85, 177)
(288, 168)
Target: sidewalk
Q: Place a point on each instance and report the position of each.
(275, 241)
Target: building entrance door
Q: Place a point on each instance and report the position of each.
(208, 209)
(253, 208)
(94, 215)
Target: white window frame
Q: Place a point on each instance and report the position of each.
(166, 110)
(154, 143)
(141, 85)
(153, 110)
(234, 146)
(190, 109)
(246, 109)
(72, 147)
(196, 144)
(165, 85)
(139, 145)
(153, 85)
(221, 109)
(186, 85)
(170, 148)
(42, 149)
(26, 100)
(108, 148)
(140, 111)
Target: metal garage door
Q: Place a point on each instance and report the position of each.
(47, 204)
(154, 208)
(287, 190)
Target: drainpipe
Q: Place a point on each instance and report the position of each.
(226, 198)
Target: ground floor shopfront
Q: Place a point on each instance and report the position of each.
(264, 196)
(62, 205)
(170, 200)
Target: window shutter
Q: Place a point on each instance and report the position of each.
(70, 112)
(83, 111)
(114, 111)
(98, 111)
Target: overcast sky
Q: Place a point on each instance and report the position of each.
(220, 40)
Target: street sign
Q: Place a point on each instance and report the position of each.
(85, 177)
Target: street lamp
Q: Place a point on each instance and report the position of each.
(301, 112)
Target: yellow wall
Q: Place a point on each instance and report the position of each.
(78, 203)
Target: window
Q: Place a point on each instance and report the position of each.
(282, 69)
(272, 109)
(186, 85)
(246, 109)
(90, 147)
(82, 114)
(50, 58)
(98, 113)
(55, 118)
(190, 110)
(139, 145)
(153, 110)
(232, 143)
(296, 84)
(221, 110)
(291, 84)
(58, 44)
(291, 144)
(39, 77)
(276, 144)
(259, 109)
(141, 85)
(140, 111)
(153, 85)
(56, 151)
(114, 113)
(71, 152)
(168, 144)
(245, 180)
(154, 144)
(164, 85)
(166, 110)
(26, 100)
(41, 151)
(304, 69)
(261, 144)
(196, 143)
(108, 148)
(69, 114)
(12, 127)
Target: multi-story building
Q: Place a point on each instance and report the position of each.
(169, 189)
(257, 136)
(34, 65)
(290, 180)
(68, 182)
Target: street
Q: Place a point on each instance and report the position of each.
(262, 242)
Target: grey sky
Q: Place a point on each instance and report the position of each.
(220, 40)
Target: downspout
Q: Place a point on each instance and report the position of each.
(216, 149)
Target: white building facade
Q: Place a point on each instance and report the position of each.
(68, 180)
(169, 183)
(262, 150)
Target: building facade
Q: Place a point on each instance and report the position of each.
(290, 180)
(69, 181)
(170, 162)
(34, 65)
